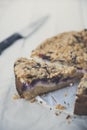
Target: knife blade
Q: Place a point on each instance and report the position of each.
(23, 34)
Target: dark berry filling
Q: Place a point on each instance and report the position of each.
(44, 57)
(55, 80)
(24, 86)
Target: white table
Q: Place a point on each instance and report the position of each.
(14, 15)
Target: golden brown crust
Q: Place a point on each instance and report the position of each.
(67, 48)
(29, 70)
(81, 108)
(82, 88)
(42, 79)
(18, 86)
(81, 97)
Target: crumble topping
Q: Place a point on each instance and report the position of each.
(30, 70)
(67, 48)
(82, 88)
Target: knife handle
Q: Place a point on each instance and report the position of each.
(9, 41)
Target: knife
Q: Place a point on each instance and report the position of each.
(23, 34)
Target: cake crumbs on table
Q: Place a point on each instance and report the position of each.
(60, 107)
(64, 102)
(50, 108)
(68, 117)
(65, 94)
(58, 113)
(16, 96)
(32, 100)
(41, 102)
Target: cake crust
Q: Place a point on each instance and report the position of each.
(81, 97)
(66, 48)
(34, 78)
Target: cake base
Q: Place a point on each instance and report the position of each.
(38, 90)
(81, 105)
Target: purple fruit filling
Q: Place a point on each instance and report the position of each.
(55, 80)
(81, 70)
(44, 57)
(25, 86)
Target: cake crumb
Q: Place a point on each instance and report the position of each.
(16, 96)
(57, 114)
(64, 102)
(60, 107)
(50, 108)
(41, 102)
(32, 100)
(65, 94)
(68, 117)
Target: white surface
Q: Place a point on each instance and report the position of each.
(14, 15)
(63, 97)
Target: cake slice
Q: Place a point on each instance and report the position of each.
(69, 48)
(34, 78)
(81, 97)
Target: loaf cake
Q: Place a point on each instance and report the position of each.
(81, 97)
(35, 78)
(68, 48)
